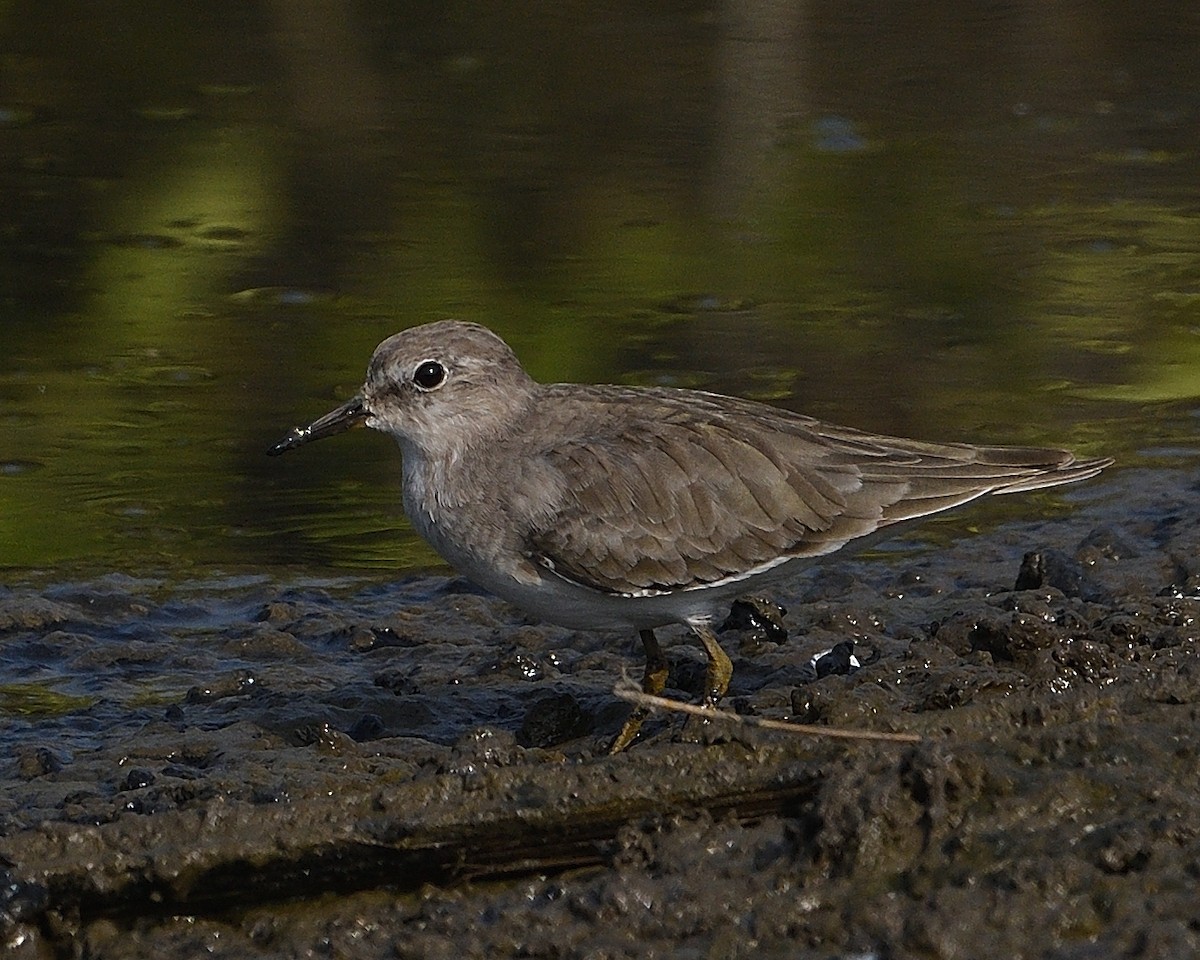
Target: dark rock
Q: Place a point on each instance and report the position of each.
(136, 779)
(552, 719)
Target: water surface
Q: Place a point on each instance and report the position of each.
(964, 224)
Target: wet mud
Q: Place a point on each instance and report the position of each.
(237, 767)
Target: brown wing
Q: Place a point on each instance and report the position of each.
(697, 489)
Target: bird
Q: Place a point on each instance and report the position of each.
(606, 507)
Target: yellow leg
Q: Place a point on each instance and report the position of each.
(653, 681)
(720, 668)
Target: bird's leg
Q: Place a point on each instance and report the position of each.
(653, 681)
(720, 667)
(716, 679)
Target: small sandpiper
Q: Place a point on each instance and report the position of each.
(629, 508)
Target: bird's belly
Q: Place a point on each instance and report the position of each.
(570, 604)
(477, 553)
(578, 607)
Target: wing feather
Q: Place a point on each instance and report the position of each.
(663, 490)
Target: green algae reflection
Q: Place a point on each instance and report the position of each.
(39, 699)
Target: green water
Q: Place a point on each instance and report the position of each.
(38, 700)
(923, 220)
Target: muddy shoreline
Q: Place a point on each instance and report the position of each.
(244, 768)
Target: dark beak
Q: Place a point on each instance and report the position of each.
(351, 414)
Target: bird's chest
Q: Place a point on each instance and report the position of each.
(459, 510)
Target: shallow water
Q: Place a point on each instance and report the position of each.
(925, 220)
(962, 225)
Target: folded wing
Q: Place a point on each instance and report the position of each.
(698, 491)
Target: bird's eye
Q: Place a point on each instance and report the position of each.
(429, 375)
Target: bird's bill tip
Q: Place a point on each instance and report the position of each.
(351, 414)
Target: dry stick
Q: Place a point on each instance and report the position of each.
(628, 690)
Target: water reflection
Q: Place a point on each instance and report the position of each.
(917, 219)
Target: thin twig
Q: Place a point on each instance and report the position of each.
(628, 690)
